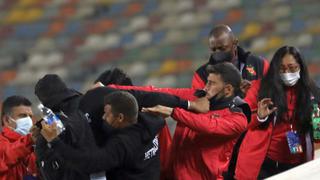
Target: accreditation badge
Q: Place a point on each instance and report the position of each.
(294, 142)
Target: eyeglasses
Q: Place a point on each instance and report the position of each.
(289, 69)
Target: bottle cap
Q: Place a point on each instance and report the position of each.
(40, 106)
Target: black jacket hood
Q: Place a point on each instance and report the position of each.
(56, 100)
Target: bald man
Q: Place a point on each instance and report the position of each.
(224, 47)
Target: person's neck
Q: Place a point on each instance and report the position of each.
(290, 88)
(221, 103)
(8, 126)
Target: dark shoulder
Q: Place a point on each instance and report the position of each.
(235, 109)
(94, 98)
(99, 91)
(129, 137)
(238, 105)
(247, 56)
(202, 72)
(254, 59)
(202, 68)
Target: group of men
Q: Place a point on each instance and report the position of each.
(113, 134)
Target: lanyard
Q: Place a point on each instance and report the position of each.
(293, 113)
(291, 119)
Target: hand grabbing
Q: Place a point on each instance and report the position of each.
(200, 105)
(49, 132)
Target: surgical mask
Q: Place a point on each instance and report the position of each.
(23, 125)
(290, 79)
(220, 56)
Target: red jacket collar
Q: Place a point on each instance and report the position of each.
(10, 134)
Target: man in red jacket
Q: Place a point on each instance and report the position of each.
(224, 48)
(203, 143)
(17, 160)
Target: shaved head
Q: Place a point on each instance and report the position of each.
(222, 44)
(220, 30)
(221, 38)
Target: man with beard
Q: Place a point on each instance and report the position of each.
(203, 143)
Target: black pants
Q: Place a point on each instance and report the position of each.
(270, 167)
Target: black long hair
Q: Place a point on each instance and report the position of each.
(273, 87)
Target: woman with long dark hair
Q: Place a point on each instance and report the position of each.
(279, 136)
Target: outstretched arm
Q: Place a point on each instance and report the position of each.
(226, 125)
(183, 93)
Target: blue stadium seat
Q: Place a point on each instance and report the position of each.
(158, 36)
(116, 9)
(72, 28)
(126, 39)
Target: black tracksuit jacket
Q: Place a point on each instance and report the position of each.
(131, 153)
(52, 166)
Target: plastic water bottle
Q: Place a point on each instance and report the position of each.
(50, 117)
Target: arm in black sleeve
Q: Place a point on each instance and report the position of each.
(92, 160)
(94, 98)
(149, 99)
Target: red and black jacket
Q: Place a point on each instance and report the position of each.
(254, 68)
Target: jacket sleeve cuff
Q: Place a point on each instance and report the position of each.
(185, 104)
(175, 113)
(262, 120)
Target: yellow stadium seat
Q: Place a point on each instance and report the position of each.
(274, 42)
(25, 3)
(251, 30)
(14, 16)
(168, 66)
(33, 14)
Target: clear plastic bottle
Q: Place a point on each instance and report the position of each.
(50, 117)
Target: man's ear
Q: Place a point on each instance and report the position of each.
(121, 117)
(5, 120)
(235, 42)
(229, 89)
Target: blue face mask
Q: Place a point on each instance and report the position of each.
(23, 125)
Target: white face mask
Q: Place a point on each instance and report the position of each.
(23, 125)
(290, 79)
